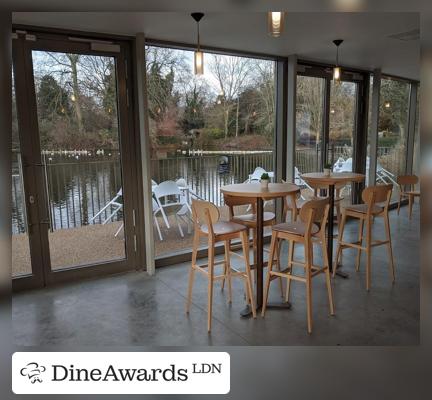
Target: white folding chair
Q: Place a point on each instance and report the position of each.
(113, 206)
(169, 197)
(300, 182)
(155, 208)
(256, 175)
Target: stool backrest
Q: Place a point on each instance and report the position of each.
(407, 181)
(316, 187)
(377, 194)
(315, 211)
(290, 200)
(233, 201)
(204, 213)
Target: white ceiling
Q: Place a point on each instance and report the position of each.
(309, 35)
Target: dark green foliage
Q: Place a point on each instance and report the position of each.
(53, 100)
(160, 91)
(193, 115)
(394, 106)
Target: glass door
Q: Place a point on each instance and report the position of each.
(310, 111)
(21, 261)
(327, 123)
(342, 125)
(80, 135)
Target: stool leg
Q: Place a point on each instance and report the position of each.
(192, 271)
(360, 239)
(339, 247)
(368, 251)
(245, 245)
(210, 284)
(308, 285)
(327, 276)
(410, 202)
(228, 269)
(224, 275)
(269, 270)
(399, 203)
(290, 266)
(389, 247)
(277, 253)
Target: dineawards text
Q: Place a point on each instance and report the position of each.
(112, 374)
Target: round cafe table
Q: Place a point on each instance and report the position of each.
(255, 191)
(319, 179)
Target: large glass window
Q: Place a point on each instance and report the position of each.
(416, 150)
(206, 131)
(392, 128)
(21, 264)
(309, 123)
(343, 100)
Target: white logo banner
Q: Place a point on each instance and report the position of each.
(120, 373)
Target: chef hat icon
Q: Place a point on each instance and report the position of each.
(33, 371)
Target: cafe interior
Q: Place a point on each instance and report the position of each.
(231, 179)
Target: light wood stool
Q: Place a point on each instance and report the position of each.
(376, 202)
(206, 218)
(308, 230)
(250, 221)
(407, 189)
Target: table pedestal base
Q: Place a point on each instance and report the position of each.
(247, 311)
(342, 274)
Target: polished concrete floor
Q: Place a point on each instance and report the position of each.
(135, 309)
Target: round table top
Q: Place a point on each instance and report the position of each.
(255, 190)
(335, 177)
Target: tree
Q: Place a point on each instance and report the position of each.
(264, 82)
(394, 107)
(232, 75)
(76, 99)
(193, 115)
(53, 100)
(160, 91)
(309, 112)
(342, 111)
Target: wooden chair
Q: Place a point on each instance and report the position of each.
(376, 203)
(338, 198)
(206, 219)
(407, 185)
(250, 221)
(310, 229)
(292, 204)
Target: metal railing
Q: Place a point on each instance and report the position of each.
(79, 189)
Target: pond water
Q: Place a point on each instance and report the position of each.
(80, 185)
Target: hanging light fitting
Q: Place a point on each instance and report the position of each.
(198, 54)
(337, 71)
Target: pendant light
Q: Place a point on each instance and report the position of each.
(275, 23)
(337, 71)
(198, 54)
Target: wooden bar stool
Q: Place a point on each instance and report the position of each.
(337, 198)
(310, 229)
(407, 188)
(250, 221)
(376, 202)
(206, 218)
(292, 204)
